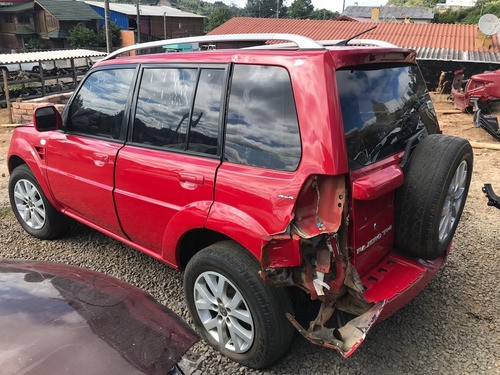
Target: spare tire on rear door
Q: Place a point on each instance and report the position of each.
(429, 204)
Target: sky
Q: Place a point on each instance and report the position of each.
(333, 5)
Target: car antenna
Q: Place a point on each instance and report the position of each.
(345, 41)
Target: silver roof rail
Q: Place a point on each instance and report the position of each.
(302, 42)
(333, 43)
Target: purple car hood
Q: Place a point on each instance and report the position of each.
(59, 319)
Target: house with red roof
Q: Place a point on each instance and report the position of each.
(439, 47)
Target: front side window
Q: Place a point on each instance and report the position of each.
(382, 107)
(262, 128)
(98, 107)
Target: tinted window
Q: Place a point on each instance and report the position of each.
(262, 128)
(98, 107)
(163, 106)
(204, 131)
(381, 108)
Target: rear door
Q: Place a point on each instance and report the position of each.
(165, 174)
(383, 106)
(81, 159)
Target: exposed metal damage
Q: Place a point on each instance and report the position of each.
(317, 261)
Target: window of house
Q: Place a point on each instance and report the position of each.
(261, 127)
(23, 18)
(99, 106)
(8, 18)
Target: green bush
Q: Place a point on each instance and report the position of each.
(82, 37)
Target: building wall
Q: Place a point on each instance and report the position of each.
(10, 42)
(176, 26)
(46, 22)
(119, 18)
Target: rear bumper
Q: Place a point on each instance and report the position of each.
(396, 280)
(390, 284)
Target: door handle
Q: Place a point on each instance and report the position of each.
(100, 159)
(194, 179)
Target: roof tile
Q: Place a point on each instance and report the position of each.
(411, 35)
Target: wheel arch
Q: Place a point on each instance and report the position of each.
(32, 161)
(194, 241)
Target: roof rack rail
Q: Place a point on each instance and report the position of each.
(302, 42)
(332, 43)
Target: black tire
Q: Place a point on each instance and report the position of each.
(419, 203)
(54, 223)
(273, 333)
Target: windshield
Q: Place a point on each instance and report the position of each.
(382, 107)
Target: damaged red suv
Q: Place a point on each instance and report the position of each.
(318, 167)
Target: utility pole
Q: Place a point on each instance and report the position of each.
(277, 8)
(107, 28)
(343, 6)
(164, 25)
(138, 22)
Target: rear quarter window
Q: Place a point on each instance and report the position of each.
(261, 127)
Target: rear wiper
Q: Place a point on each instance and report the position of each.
(344, 42)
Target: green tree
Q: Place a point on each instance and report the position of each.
(218, 17)
(301, 9)
(35, 45)
(323, 14)
(82, 37)
(468, 15)
(265, 8)
(116, 36)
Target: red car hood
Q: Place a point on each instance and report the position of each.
(57, 319)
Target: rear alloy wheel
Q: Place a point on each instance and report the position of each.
(429, 204)
(234, 309)
(224, 312)
(32, 209)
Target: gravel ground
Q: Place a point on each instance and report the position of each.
(452, 327)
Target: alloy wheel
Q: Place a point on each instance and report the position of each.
(224, 312)
(29, 204)
(453, 201)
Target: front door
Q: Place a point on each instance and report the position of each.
(81, 158)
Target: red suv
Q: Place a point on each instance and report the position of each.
(256, 170)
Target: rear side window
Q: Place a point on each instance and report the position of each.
(261, 127)
(382, 107)
(204, 129)
(98, 107)
(163, 107)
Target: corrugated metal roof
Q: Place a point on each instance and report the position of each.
(14, 58)
(146, 10)
(434, 38)
(69, 10)
(421, 13)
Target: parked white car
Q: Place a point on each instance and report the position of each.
(27, 67)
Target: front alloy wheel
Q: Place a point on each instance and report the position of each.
(224, 312)
(29, 204)
(31, 207)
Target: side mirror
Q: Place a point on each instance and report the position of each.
(47, 118)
